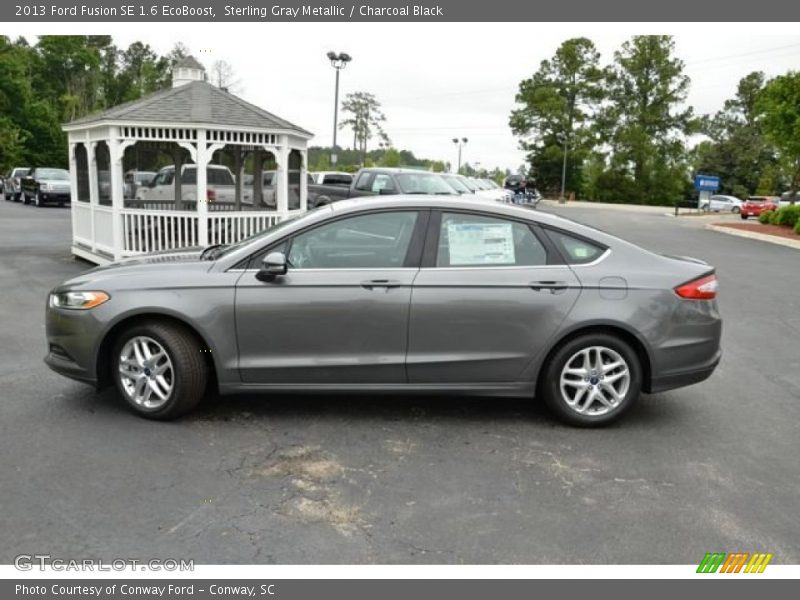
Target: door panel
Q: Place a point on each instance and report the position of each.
(487, 301)
(484, 324)
(340, 313)
(324, 326)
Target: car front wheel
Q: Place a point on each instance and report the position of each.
(736, 209)
(592, 380)
(159, 370)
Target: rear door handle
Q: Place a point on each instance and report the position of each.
(551, 286)
(380, 283)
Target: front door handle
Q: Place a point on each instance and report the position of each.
(380, 283)
(552, 286)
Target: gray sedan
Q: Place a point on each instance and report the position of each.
(410, 294)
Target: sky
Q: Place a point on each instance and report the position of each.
(438, 81)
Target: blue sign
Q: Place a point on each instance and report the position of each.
(706, 183)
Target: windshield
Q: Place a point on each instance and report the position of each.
(144, 177)
(456, 184)
(423, 183)
(471, 186)
(56, 174)
(492, 185)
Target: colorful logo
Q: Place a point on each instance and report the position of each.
(735, 562)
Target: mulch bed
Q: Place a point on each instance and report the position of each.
(776, 230)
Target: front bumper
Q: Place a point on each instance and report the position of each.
(72, 338)
(54, 197)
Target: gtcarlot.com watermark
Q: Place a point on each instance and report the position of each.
(46, 562)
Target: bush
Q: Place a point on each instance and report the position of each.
(765, 217)
(797, 227)
(787, 216)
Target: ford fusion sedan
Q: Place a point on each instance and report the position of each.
(408, 294)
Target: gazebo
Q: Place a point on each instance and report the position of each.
(188, 133)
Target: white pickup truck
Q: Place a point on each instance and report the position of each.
(220, 185)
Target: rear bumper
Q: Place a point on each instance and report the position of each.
(684, 378)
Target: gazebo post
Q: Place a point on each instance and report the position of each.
(303, 180)
(202, 188)
(177, 160)
(237, 172)
(73, 182)
(116, 151)
(91, 157)
(282, 174)
(258, 177)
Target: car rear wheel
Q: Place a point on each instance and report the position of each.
(735, 209)
(592, 380)
(159, 370)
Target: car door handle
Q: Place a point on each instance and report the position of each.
(380, 283)
(551, 286)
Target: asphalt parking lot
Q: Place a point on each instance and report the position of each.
(307, 479)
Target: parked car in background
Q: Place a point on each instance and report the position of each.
(381, 181)
(332, 177)
(411, 294)
(721, 203)
(220, 186)
(483, 188)
(134, 179)
(44, 185)
(755, 205)
(11, 183)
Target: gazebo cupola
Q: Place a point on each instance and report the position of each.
(188, 165)
(187, 70)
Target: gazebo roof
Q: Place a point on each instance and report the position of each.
(197, 102)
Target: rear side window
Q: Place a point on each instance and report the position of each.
(576, 251)
(479, 241)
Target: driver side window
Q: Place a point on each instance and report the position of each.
(372, 241)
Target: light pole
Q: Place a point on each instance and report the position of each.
(565, 139)
(460, 143)
(338, 61)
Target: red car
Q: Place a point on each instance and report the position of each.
(753, 206)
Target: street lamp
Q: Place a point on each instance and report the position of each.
(460, 143)
(564, 138)
(338, 61)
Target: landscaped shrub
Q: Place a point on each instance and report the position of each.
(787, 216)
(765, 217)
(797, 227)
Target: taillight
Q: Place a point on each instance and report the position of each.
(704, 288)
(211, 195)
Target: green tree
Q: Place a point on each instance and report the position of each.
(738, 151)
(644, 123)
(556, 109)
(778, 107)
(363, 115)
(390, 158)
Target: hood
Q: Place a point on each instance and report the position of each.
(141, 265)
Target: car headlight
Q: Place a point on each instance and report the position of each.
(45, 187)
(78, 300)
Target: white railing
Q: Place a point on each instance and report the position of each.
(145, 231)
(232, 227)
(82, 223)
(104, 229)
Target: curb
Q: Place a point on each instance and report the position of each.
(772, 239)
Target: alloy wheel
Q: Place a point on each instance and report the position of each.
(146, 372)
(595, 381)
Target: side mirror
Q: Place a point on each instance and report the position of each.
(274, 264)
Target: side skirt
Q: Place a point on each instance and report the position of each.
(515, 389)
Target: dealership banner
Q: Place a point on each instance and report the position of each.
(406, 589)
(399, 10)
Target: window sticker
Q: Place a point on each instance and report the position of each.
(480, 243)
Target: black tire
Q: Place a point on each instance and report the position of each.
(744, 216)
(549, 388)
(736, 209)
(189, 368)
(16, 197)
